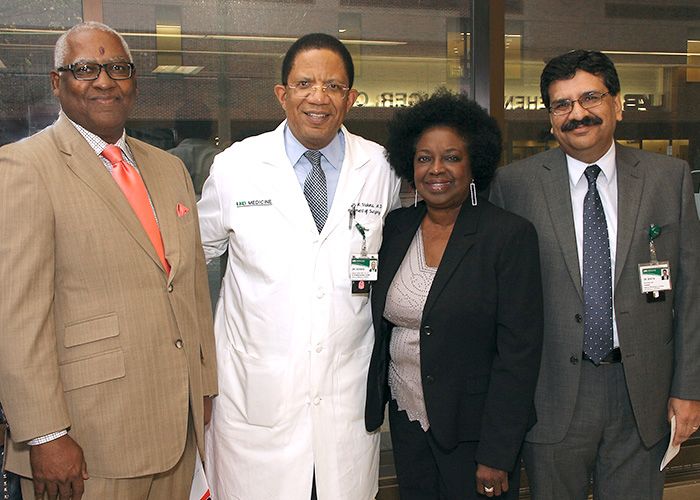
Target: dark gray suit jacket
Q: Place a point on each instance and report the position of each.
(660, 342)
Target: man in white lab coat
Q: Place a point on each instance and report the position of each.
(293, 339)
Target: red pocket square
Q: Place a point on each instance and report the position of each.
(182, 210)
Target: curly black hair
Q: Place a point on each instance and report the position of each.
(470, 121)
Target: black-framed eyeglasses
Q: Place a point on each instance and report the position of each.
(304, 89)
(587, 101)
(91, 71)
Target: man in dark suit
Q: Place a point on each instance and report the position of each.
(106, 345)
(617, 363)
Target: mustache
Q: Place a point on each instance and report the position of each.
(587, 120)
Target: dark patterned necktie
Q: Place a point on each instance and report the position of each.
(597, 275)
(315, 189)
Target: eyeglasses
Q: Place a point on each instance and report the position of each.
(91, 71)
(587, 101)
(304, 89)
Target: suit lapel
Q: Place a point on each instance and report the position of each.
(290, 200)
(630, 183)
(282, 182)
(557, 195)
(350, 183)
(87, 166)
(461, 240)
(164, 203)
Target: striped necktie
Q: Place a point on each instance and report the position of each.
(315, 189)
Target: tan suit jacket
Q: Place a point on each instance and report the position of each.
(93, 335)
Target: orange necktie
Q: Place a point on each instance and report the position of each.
(131, 184)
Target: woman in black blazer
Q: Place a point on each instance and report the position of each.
(457, 311)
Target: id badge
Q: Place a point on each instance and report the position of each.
(364, 267)
(655, 277)
(363, 270)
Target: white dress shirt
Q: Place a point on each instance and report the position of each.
(607, 188)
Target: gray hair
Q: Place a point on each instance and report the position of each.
(61, 49)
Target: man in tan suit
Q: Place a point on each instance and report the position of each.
(106, 343)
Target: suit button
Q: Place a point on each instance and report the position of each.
(573, 359)
(178, 343)
(427, 330)
(429, 379)
(170, 288)
(579, 318)
(317, 401)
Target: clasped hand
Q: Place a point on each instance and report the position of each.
(491, 482)
(59, 469)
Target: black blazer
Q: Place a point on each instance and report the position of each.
(481, 331)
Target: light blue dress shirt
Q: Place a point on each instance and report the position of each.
(331, 160)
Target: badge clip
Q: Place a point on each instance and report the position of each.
(352, 211)
(654, 276)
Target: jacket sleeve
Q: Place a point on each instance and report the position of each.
(214, 234)
(686, 374)
(509, 408)
(495, 192)
(31, 390)
(203, 306)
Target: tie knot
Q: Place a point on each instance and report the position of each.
(314, 157)
(591, 173)
(113, 154)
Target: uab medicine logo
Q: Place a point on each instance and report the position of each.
(253, 203)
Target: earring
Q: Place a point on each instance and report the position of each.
(472, 192)
(415, 197)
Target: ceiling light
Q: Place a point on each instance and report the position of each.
(178, 70)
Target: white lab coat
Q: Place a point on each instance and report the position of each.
(293, 343)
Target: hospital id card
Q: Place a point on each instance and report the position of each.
(655, 277)
(364, 267)
(363, 271)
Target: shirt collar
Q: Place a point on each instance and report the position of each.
(333, 152)
(606, 163)
(98, 144)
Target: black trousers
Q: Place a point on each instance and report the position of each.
(426, 471)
